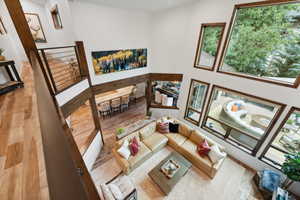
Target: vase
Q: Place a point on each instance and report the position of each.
(2, 58)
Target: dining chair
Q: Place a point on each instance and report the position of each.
(133, 94)
(124, 102)
(105, 109)
(116, 105)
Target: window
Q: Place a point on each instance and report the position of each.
(263, 43)
(165, 94)
(286, 140)
(196, 100)
(56, 17)
(208, 45)
(242, 120)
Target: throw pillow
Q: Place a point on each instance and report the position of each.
(124, 150)
(215, 154)
(106, 192)
(135, 141)
(203, 148)
(162, 127)
(173, 128)
(115, 190)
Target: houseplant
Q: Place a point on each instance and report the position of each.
(2, 58)
(120, 131)
(291, 168)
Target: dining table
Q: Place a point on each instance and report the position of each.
(114, 94)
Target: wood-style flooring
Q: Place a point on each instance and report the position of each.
(82, 126)
(109, 125)
(22, 168)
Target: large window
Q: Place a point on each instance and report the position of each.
(242, 120)
(196, 101)
(287, 140)
(263, 42)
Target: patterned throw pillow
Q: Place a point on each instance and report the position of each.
(162, 127)
(203, 148)
(134, 146)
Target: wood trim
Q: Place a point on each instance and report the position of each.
(277, 132)
(76, 102)
(226, 43)
(197, 123)
(4, 29)
(164, 107)
(271, 125)
(113, 85)
(165, 77)
(200, 42)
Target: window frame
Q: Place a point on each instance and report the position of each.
(269, 145)
(227, 40)
(226, 137)
(200, 43)
(197, 123)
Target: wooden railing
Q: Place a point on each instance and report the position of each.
(67, 175)
(62, 67)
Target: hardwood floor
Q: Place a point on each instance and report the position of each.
(82, 125)
(22, 168)
(109, 125)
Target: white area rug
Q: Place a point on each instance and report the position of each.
(232, 182)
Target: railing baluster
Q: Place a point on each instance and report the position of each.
(49, 71)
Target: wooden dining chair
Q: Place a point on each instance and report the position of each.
(116, 105)
(133, 94)
(124, 102)
(105, 109)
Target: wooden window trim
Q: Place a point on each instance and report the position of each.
(55, 13)
(269, 145)
(187, 108)
(200, 42)
(270, 127)
(228, 36)
(4, 29)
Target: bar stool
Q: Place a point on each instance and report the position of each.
(133, 94)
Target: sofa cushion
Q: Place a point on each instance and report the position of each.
(106, 192)
(191, 148)
(155, 141)
(147, 130)
(140, 156)
(129, 138)
(176, 138)
(197, 137)
(184, 129)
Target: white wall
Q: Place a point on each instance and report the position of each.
(105, 28)
(54, 37)
(174, 40)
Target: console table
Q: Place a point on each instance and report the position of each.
(15, 80)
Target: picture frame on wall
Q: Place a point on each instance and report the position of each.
(36, 27)
(2, 27)
(56, 17)
(209, 44)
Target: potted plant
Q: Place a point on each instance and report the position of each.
(149, 114)
(120, 131)
(291, 168)
(2, 58)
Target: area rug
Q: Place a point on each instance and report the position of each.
(110, 139)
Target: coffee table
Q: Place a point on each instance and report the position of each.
(167, 184)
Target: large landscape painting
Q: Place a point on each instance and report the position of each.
(105, 62)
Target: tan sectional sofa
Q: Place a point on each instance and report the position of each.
(185, 142)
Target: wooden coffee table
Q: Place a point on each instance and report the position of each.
(167, 184)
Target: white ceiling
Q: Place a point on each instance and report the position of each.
(148, 5)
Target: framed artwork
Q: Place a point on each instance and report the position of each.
(36, 28)
(264, 48)
(2, 28)
(208, 45)
(106, 62)
(56, 18)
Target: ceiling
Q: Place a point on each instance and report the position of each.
(145, 5)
